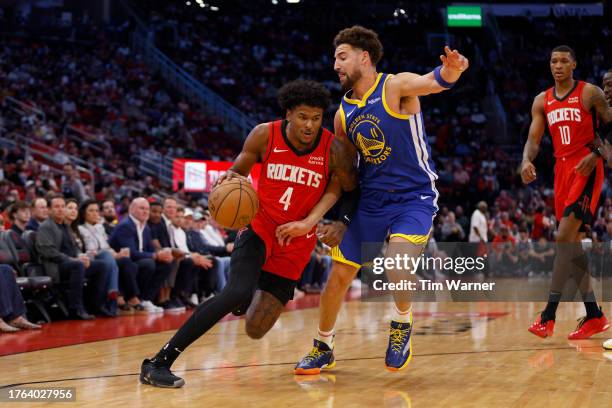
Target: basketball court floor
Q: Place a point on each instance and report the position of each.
(465, 355)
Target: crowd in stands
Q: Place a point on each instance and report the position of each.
(106, 96)
(158, 258)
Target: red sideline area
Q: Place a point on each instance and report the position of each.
(71, 332)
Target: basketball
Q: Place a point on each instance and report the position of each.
(233, 203)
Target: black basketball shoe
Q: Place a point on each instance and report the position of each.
(159, 375)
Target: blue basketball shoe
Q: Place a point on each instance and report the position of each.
(399, 351)
(321, 357)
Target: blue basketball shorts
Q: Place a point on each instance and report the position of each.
(406, 214)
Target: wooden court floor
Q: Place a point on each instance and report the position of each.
(465, 355)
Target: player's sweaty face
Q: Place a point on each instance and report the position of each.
(305, 124)
(607, 87)
(561, 65)
(346, 65)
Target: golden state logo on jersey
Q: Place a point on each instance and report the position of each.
(369, 138)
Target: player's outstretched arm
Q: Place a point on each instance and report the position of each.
(252, 150)
(536, 131)
(440, 79)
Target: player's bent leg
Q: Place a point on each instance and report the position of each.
(262, 314)
(247, 259)
(321, 356)
(399, 349)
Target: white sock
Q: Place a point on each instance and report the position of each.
(399, 316)
(326, 337)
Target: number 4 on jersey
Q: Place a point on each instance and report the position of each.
(286, 198)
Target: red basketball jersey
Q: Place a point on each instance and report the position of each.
(570, 125)
(291, 182)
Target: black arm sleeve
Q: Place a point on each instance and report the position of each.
(347, 205)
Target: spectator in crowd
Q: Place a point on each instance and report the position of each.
(63, 262)
(7, 253)
(462, 219)
(19, 214)
(221, 260)
(211, 232)
(504, 251)
(96, 243)
(12, 307)
(102, 260)
(97, 261)
(160, 223)
(478, 224)
(109, 216)
(216, 276)
(201, 263)
(39, 213)
(479, 228)
(451, 230)
(215, 241)
(154, 265)
(542, 256)
(72, 186)
(524, 251)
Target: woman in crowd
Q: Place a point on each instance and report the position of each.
(96, 242)
(100, 260)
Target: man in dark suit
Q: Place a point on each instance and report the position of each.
(63, 262)
(19, 214)
(39, 214)
(183, 273)
(154, 265)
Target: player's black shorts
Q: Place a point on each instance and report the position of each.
(281, 288)
(247, 244)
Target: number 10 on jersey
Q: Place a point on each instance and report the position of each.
(565, 134)
(286, 198)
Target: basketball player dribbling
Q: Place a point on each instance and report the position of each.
(569, 109)
(381, 116)
(304, 169)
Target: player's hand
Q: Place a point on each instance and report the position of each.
(528, 172)
(285, 232)
(331, 234)
(228, 175)
(587, 164)
(453, 60)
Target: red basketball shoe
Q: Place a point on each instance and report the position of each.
(542, 330)
(587, 328)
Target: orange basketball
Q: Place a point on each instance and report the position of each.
(233, 203)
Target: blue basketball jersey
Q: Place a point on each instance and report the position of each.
(394, 153)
